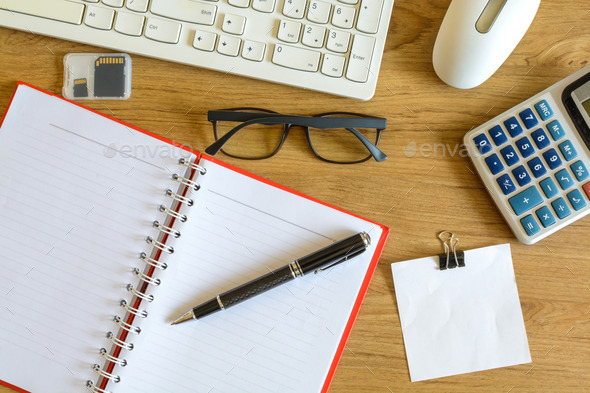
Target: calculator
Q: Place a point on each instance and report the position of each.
(534, 159)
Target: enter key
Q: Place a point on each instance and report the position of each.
(359, 62)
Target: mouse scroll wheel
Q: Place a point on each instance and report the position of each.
(488, 15)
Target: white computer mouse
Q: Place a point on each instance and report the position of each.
(476, 37)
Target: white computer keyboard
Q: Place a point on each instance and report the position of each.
(333, 46)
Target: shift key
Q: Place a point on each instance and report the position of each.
(359, 61)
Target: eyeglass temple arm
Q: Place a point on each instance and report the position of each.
(377, 154)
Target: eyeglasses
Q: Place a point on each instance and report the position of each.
(254, 134)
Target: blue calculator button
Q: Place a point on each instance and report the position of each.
(545, 216)
(560, 208)
(521, 175)
(528, 118)
(530, 225)
(513, 126)
(549, 188)
(498, 135)
(541, 139)
(576, 199)
(544, 110)
(525, 146)
(494, 164)
(506, 184)
(564, 179)
(556, 130)
(579, 170)
(536, 166)
(525, 200)
(509, 155)
(483, 143)
(552, 158)
(568, 150)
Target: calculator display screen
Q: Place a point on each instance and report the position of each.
(586, 105)
(576, 99)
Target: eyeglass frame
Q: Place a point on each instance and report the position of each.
(320, 121)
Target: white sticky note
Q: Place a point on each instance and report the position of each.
(460, 320)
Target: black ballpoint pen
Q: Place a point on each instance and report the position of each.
(317, 261)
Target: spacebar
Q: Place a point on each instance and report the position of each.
(60, 10)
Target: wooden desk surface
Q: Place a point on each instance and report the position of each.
(427, 184)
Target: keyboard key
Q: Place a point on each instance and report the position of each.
(253, 50)
(521, 175)
(536, 166)
(528, 118)
(555, 130)
(343, 16)
(552, 158)
(239, 3)
(541, 139)
(205, 40)
(296, 58)
(482, 143)
(568, 150)
(319, 11)
(60, 10)
(229, 45)
(525, 147)
(263, 5)
(313, 36)
(113, 3)
(579, 170)
(506, 184)
(99, 18)
(294, 8)
(369, 16)
(545, 216)
(549, 187)
(359, 62)
(560, 208)
(162, 30)
(513, 126)
(333, 65)
(233, 24)
(289, 31)
(498, 135)
(129, 23)
(576, 199)
(530, 225)
(509, 155)
(185, 10)
(544, 110)
(525, 200)
(564, 179)
(338, 41)
(494, 164)
(137, 5)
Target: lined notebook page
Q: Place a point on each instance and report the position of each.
(78, 194)
(281, 341)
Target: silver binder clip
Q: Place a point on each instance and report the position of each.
(451, 258)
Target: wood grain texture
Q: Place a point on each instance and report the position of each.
(427, 184)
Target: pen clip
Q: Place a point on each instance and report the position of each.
(344, 259)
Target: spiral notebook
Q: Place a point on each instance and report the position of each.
(109, 233)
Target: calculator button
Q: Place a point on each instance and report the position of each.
(525, 200)
(579, 170)
(552, 159)
(556, 130)
(549, 188)
(483, 143)
(536, 166)
(586, 188)
(545, 216)
(564, 179)
(506, 184)
(521, 175)
(530, 225)
(498, 135)
(576, 199)
(513, 126)
(568, 150)
(544, 110)
(560, 208)
(525, 147)
(494, 164)
(528, 118)
(509, 155)
(541, 139)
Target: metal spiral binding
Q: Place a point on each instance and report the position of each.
(140, 294)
